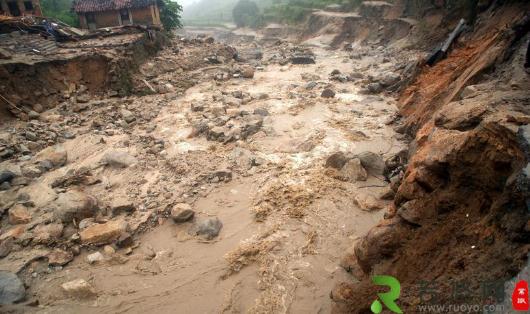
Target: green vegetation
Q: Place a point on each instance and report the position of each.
(170, 14)
(246, 13)
(60, 10)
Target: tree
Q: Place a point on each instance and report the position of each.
(60, 10)
(245, 13)
(170, 14)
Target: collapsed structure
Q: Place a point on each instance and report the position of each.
(20, 7)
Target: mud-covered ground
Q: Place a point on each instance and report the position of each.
(214, 192)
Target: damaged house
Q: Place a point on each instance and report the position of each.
(20, 7)
(95, 14)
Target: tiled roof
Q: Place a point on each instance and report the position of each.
(83, 6)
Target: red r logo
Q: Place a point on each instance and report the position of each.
(520, 296)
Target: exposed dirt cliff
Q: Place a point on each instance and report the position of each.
(460, 213)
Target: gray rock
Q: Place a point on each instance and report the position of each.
(251, 126)
(118, 159)
(372, 162)
(182, 212)
(83, 98)
(95, 258)
(389, 79)
(374, 88)
(33, 115)
(55, 154)
(327, 93)
(353, 171)
(6, 176)
(127, 115)
(311, 85)
(195, 107)
(208, 228)
(261, 112)
(337, 160)
(11, 288)
(4, 186)
(31, 171)
(68, 135)
(30, 136)
(302, 59)
(75, 204)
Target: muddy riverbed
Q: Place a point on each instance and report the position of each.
(286, 218)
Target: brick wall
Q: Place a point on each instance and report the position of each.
(107, 19)
(142, 16)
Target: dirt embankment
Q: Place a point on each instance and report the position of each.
(459, 215)
(98, 67)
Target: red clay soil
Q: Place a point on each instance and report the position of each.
(474, 55)
(459, 218)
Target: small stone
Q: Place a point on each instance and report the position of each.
(182, 212)
(19, 214)
(59, 257)
(95, 258)
(4, 186)
(311, 85)
(75, 204)
(11, 288)
(327, 93)
(83, 98)
(374, 88)
(127, 115)
(79, 289)
(302, 59)
(261, 111)
(103, 233)
(31, 171)
(196, 107)
(208, 228)
(33, 115)
(30, 136)
(124, 240)
(109, 250)
(148, 267)
(247, 72)
(119, 205)
(6, 176)
(367, 202)
(337, 160)
(372, 162)
(387, 194)
(118, 159)
(55, 154)
(5, 247)
(47, 233)
(85, 223)
(353, 171)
